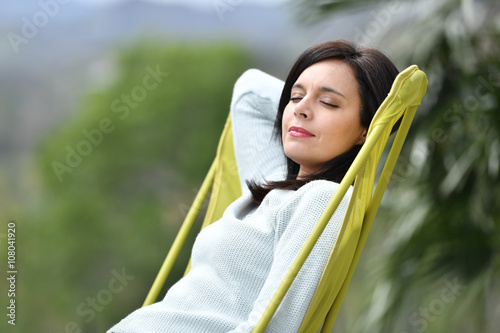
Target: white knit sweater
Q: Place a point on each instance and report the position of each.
(239, 261)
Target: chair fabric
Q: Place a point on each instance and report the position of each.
(406, 94)
(222, 178)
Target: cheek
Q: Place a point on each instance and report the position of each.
(287, 112)
(285, 121)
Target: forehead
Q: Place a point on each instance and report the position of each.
(331, 73)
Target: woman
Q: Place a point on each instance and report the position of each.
(326, 105)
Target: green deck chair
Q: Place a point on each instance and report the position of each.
(406, 94)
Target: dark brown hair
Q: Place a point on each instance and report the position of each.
(374, 73)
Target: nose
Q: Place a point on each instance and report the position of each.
(302, 109)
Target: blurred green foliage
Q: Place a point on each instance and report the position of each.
(115, 181)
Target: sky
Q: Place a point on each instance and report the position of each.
(201, 4)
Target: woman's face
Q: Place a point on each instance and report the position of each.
(321, 121)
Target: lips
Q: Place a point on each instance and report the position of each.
(299, 132)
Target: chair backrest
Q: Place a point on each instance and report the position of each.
(223, 181)
(406, 94)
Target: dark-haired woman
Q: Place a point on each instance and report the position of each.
(291, 154)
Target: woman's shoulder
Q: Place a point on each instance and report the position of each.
(301, 209)
(312, 196)
(319, 188)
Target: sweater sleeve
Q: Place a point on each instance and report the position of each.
(295, 221)
(259, 154)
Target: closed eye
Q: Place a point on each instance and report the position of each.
(295, 99)
(330, 105)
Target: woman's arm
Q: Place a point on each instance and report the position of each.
(294, 224)
(259, 155)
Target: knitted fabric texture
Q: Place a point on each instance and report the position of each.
(239, 261)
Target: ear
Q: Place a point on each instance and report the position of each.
(362, 137)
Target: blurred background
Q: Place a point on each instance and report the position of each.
(110, 116)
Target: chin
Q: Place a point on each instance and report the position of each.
(299, 159)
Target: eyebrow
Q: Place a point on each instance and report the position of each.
(327, 89)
